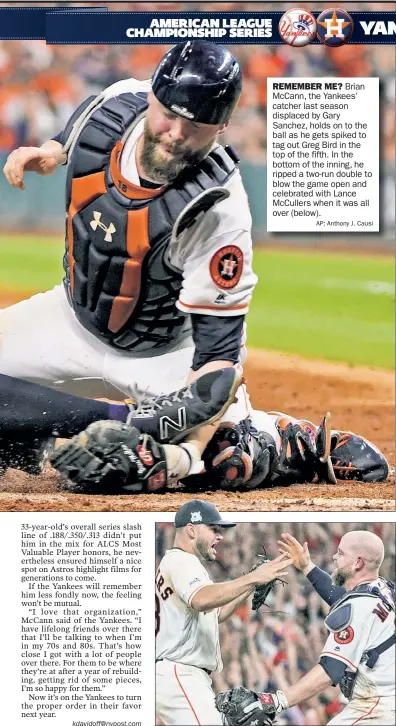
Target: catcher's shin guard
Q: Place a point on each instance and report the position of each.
(354, 457)
(171, 418)
(239, 456)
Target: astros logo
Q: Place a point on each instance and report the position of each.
(344, 636)
(226, 266)
(335, 27)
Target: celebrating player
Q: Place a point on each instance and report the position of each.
(189, 608)
(359, 653)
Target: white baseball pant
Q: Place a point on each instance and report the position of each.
(41, 340)
(366, 712)
(184, 696)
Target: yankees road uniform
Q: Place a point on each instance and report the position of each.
(187, 644)
(360, 621)
(121, 321)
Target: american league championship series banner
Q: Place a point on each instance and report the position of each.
(295, 26)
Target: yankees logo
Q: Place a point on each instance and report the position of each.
(95, 223)
(297, 27)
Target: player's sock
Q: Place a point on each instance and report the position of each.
(31, 409)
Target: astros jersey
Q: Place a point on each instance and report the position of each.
(215, 254)
(184, 635)
(371, 624)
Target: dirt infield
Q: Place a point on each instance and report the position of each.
(360, 399)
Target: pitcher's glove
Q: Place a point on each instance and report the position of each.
(110, 457)
(242, 707)
(261, 592)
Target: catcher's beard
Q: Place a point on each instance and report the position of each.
(161, 170)
(340, 575)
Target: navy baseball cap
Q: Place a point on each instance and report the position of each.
(197, 511)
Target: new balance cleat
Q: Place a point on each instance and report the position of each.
(171, 418)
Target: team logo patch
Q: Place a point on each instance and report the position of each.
(297, 27)
(344, 636)
(335, 27)
(226, 267)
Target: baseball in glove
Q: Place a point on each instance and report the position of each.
(261, 592)
(110, 457)
(242, 707)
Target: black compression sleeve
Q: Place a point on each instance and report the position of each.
(216, 338)
(323, 585)
(334, 668)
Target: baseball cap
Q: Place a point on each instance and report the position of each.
(197, 511)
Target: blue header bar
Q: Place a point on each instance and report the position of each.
(65, 26)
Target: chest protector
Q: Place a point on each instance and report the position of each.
(339, 617)
(118, 279)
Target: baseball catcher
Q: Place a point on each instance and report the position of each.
(359, 653)
(264, 450)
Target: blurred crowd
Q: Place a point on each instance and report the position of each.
(41, 85)
(278, 645)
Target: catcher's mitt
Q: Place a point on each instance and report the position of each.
(110, 457)
(261, 592)
(242, 707)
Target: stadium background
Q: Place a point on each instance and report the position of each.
(321, 325)
(278, 645)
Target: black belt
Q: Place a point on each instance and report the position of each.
(202, 669)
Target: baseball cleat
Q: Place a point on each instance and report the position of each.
(354, 457)
(174, 416)
(324, 467)
(305, 451)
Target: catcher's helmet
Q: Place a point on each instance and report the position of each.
(198, 80)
